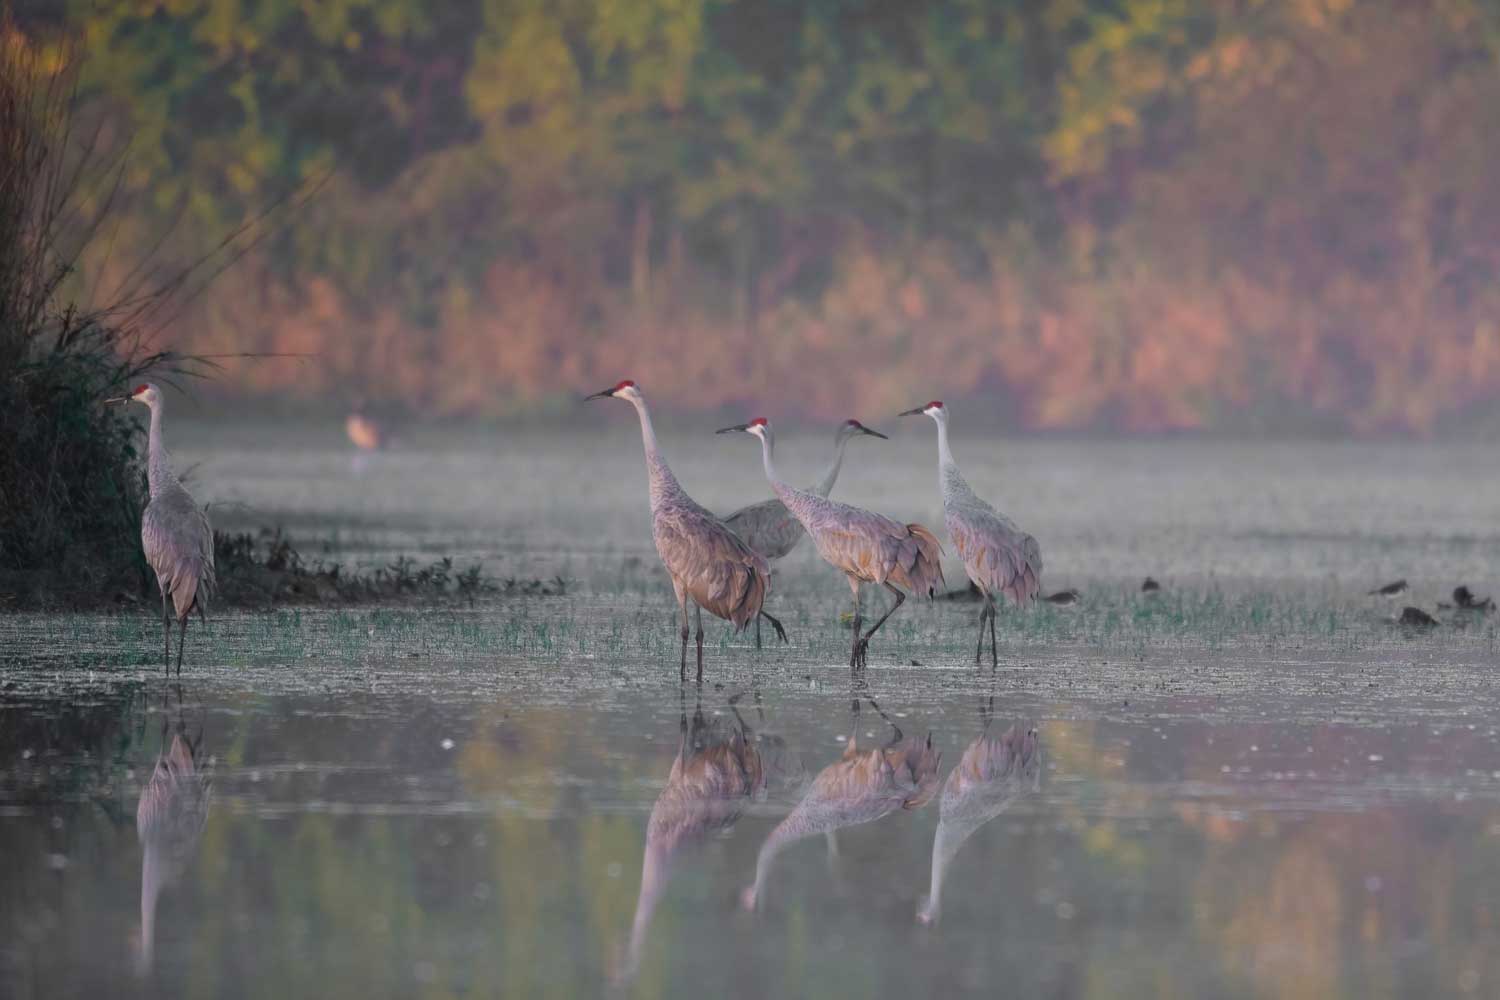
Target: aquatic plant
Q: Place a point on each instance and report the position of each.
(70, 485)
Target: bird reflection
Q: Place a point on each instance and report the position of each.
(860, 787)
(169, 821)
(993, 772)
(720, 766)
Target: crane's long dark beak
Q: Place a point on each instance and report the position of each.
(730, 430)
(911, 413)
(865, 430)
(601, 394)
(115, 400)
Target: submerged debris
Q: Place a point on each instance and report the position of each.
(1416, 617)
(1064, 598)
(1393, 589)
(1150, 586)
(1464, 600)
(265, 568)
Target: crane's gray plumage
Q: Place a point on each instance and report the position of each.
(169, 820)
(707, 562)
(772, 530)
(993, 772)
(860, 787)
(998, 556)
(867, 547)
(175, 534)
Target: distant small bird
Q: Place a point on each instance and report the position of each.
(772, 530)
(175, 534)
(993, 773)
(867, 547)
(1064, 598)
(364, 431)
(860, 787)
(1150, 586)
(1416, 617)
(1464, 600)
(169, 820)
(999, 557)
(969, 593)
(709, 564)
(1393, 589)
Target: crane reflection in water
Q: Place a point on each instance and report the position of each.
(169, 820)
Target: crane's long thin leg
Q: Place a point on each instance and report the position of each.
(181, 642)
(994, 650)
(864, 644)
(984, 612)
(166, 634)
(682, 603)
(780, 632)
(854, 648)
(698, 614)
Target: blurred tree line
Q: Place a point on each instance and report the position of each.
(1143, 213)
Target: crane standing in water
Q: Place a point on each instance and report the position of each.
(707, 562)
(998, 556)
(769, 528)
(175, 533)
(867, 547)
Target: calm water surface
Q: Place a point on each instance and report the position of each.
(1251, 786)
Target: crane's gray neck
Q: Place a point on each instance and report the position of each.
(945, 844)
(655, 870)
(945, 456)
(826, 486)
(794, 828)
(151, 885)
(663, 483)
(768, 458)
(159, 473)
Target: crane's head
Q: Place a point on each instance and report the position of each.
(935, 409)
(620, 390)
(146, 393)
(760, 427)
(853, 428)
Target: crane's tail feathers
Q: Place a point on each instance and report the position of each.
(923, 572)
(191, 585)
(740, 602)
(922, 760)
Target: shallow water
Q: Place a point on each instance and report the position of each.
(1251, 785)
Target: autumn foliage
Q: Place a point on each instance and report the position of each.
(1138, 213)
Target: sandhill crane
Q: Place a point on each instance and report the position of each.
(993, 772)
(707, 562)
(867, 547)
(769, 528)
(169, 820)
(860, 787)
(998, 556)
(715, 774)
(175, 533)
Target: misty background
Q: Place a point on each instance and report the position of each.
(1133, 215)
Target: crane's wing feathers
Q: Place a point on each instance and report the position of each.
(999, 557)
(179, 546)
(723, 575)
(767, 527)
